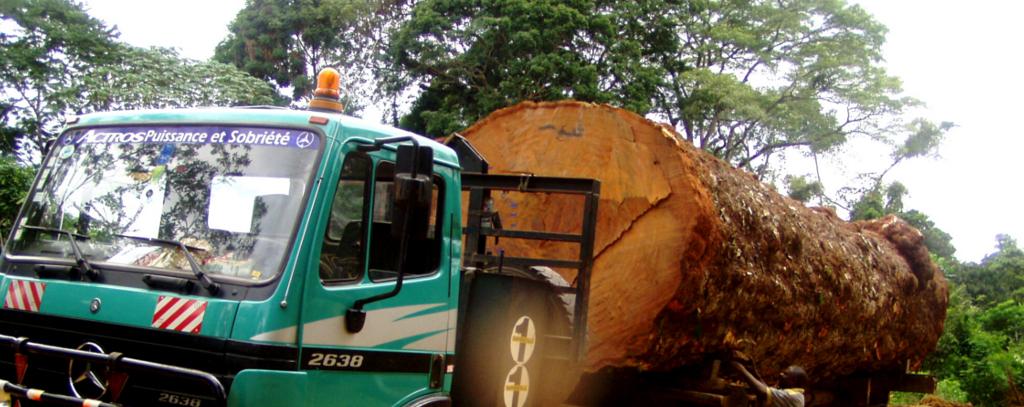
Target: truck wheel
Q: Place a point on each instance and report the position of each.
(503, 358)
(562, 373)
(565, 301)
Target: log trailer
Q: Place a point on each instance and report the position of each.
(261, 256)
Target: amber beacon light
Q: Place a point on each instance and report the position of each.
(327, 96)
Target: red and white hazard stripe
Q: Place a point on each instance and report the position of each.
(25, 295)
(179, 314)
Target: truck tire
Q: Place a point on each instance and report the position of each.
(562, 373)
(503, 357)
(566, 301)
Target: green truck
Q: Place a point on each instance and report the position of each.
(266, 256)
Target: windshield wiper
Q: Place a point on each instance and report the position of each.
(84, 264)
(204, 280)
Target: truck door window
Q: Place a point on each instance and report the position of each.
(423, 256)
(341, 257)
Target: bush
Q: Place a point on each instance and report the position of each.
(982, 348)
(949, 389)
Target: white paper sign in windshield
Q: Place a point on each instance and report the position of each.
(232, 200)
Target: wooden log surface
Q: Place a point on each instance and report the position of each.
(694, 258)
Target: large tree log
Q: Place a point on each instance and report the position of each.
(694, 257)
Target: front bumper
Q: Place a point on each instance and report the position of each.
(37, 364)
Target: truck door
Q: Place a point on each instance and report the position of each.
(399, 352)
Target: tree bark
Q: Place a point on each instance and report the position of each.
(694, 258)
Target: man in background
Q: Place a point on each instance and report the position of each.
(790, 392)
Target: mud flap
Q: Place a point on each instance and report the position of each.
(501, 357)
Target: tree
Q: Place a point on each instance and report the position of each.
(803, 190)
(921, 139)
(744, 80)
(159, 78)
(471, 58)
(46, 46)
(999, 277)
(465, 59)
(981, 347)
(56, 61)
(756, 78)
(870, 206)
(884, 200)
(287, 42)
(879, 201)
(1007, 318)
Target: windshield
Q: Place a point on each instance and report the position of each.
(231, 194)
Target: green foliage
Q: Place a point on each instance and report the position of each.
(15, 181)
(279, 40)
(57, 61)
(159, 78)
(752, 78)
(1006, 318)
(869, 197)
(982, 345)
(287, 42)
(950, 389)
(803, 190)
(923, 138)
(46, 46)
(878, 202)
(946, 389)
(472, 58)
(870, 206)
(939, 242)
(742, 79)
(999, 277)
(894, 197)
(904, 399)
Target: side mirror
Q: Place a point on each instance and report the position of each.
(410, 216)
(413, 192)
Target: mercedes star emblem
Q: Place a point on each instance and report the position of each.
(305, 140)
(85, 379)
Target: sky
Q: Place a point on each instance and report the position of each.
(194, 27)
(961, 58)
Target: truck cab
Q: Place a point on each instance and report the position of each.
(263, 256)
